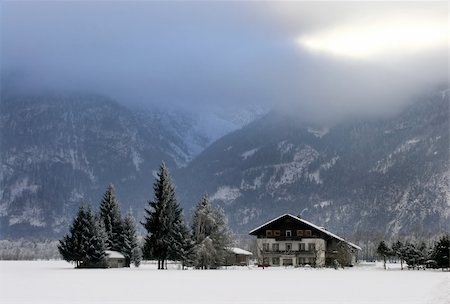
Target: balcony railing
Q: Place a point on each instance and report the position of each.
(292, 251)
(288, 238)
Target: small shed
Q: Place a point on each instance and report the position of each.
(114, 259)
(237, 257)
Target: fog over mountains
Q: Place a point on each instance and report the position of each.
(365, 176)
(314, 108)
(59, 150)
(360, 177)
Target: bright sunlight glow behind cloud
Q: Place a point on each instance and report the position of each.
(385, 37)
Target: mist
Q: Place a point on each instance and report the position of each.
(228, 54)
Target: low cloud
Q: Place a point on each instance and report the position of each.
(227, 54)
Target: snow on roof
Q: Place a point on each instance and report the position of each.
(236, 250)
(310, 224)
(114, 254)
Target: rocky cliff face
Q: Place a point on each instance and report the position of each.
(60, 150)
(365, 177)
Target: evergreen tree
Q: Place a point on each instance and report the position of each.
(84, 244)
(130, 244)
(112, 220)
(211, 235)
(164, 222)
(441, 252)
(398, 250)
(413, 256)
(95, 246)
(384, 251)
(71, 246)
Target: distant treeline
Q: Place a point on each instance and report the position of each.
(417, 255)
(23, 249)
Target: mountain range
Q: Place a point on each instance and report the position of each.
(359, 177)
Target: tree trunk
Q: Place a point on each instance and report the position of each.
(159, 263)
(384, 262)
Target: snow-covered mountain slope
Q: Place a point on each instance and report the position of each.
(59, 150)
(193, 130)
(365, 177)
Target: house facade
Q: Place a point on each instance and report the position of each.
(291, 241)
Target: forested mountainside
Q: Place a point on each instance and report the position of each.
(361, 178)
(58, 150)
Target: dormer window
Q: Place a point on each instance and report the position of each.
(268, 233)
(288, 233)
(307, 233)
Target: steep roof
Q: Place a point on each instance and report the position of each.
(240, 251)
(114, 254)
(309, 224)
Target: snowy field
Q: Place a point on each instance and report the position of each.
(57, 282)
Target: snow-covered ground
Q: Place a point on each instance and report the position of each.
(57, 282)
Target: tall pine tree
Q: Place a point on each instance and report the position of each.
(112, 220)
(164, 222)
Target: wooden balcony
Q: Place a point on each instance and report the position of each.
(287, 251)
(288, 238)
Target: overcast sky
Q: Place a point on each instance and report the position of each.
(321, 60)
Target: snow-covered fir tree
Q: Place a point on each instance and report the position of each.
(166, 231)
(210, 234)
(130, 248)
(85, 244)
(96, 245)
(71, 246)
(111, 217)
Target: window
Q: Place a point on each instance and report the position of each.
(288, 233)
(276, 233)
(299, 232)
(288, 246)
(301, 246)
(265, 246)
(275, 247)
(268, 233)
(301, 261)
(307, 232)
(312, 246)
(276, 261)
